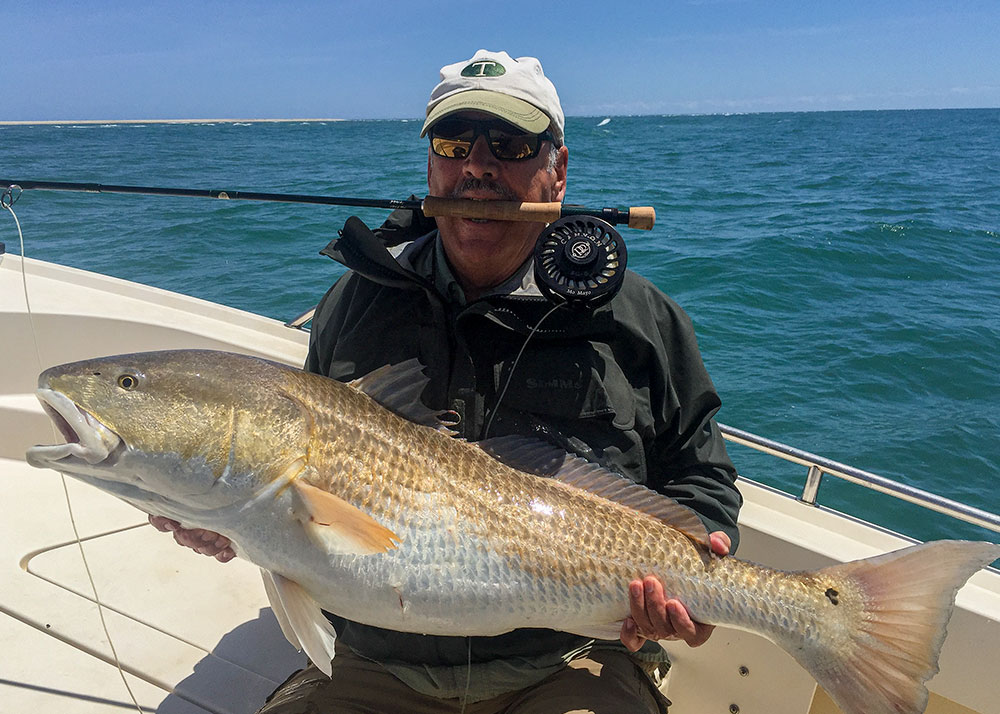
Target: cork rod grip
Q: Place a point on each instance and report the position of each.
(495, 210)
(641, 217)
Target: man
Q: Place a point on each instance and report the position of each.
(622, 385)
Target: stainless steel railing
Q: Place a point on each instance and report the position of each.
(299, 322)
(818, 466)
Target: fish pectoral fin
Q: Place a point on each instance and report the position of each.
(302, 622)
(337, 526)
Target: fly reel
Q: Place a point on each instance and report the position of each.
(580, 260)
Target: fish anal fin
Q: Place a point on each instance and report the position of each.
(339, 527)
(540, 458)
(302, 622)
(271, 590)
(891, 647)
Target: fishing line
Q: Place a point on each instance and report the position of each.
(468, 675)
(510, 374)
(7, 201)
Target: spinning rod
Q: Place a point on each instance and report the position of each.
(641, 217)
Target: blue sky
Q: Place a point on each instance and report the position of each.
(250, 59)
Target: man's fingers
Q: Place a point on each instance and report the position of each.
(648, 606)
(206, 542)
(693, 633)
(215, 545)
(163, 524)
(654, 617)
(630, 636)
(656, 606)
(638, 608)
(680, 619)
(720, 542)
(199, 540)
(188, 537)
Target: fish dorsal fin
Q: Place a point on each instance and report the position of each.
(337, 526)
(537, 457)
(398, 387)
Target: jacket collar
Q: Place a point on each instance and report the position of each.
(359, 249)
(420, 264)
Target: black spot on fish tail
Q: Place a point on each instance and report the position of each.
(832, 595)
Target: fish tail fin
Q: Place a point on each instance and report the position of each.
(894, 614)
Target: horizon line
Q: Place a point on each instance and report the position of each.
(234, 120)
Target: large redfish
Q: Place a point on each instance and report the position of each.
(389, 520)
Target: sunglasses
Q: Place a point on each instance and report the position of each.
(454, 139)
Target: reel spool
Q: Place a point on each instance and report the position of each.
(581, 260)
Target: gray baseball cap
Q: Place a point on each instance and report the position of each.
(516, 90)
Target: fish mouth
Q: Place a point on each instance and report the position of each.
(88, 440)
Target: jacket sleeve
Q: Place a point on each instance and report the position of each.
(687, 458)
(332, 315)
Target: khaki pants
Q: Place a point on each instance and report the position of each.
(607, 682)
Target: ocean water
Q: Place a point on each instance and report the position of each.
(842, 268)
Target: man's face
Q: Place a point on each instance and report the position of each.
(485, 253)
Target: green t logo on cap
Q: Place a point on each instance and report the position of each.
(484, 68)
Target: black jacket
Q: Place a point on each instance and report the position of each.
(623, 385)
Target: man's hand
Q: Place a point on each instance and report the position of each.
(200, 540)
(653, 617)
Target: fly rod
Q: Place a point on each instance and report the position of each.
(641, 217)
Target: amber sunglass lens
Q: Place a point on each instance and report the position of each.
(513, 146)
(450, 148)
(453, 140)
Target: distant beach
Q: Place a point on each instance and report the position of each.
(55, 122)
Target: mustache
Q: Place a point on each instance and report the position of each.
(502, 192)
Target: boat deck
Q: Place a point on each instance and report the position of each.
(182, 624)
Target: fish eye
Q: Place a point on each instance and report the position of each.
(128, 381)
